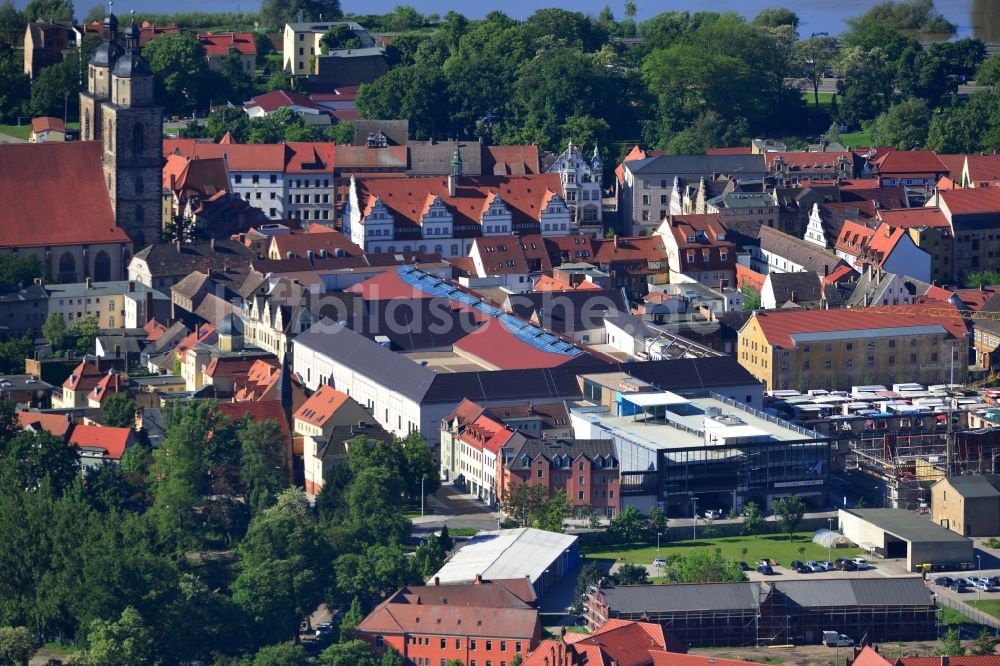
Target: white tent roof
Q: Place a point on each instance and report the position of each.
(503, 554)
(654, 398)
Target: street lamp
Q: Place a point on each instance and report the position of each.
(694, 525)
(829, 543)
(658, 535)
(979, 577)
(422, 478)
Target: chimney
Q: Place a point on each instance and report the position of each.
(479, 579)
(437, 581)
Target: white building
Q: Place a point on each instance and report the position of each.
(302, 43)
(581, 182)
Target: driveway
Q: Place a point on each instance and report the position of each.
(456, 509)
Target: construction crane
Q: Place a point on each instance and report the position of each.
(944, 313)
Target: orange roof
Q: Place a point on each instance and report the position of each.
(661, 658)
(636, 153)
(496, 345)
(386, 286)
(745, 275)
(546, 283)
(975, 299)
(624, 249)
(108, 384)
(154, 330)
(910, 163)
(837, 274)
(321, 244)
(883, 242)
(112, 440)
(69, 198)
(936, 294)
(853, 237)
(914, 218)
(293, 157)
(409, 198)
(486, 434)
(203, 333)
(54, 424)
(984, 168)
(47, 124)
(262, 376)
(504, 255)
(780, 326)
(199, 177)
(321, 405)
(510, 160)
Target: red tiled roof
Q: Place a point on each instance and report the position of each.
(148, 31)
(345, 115)
(798, 160)
(203, 333)
(936, 294)
(978, 200)
(624, 249)
(321, 405)
(883, 242)
(353, 159)
(780, 325)
(546, 283)
(984, 168)
(386, 286)
(258, 411)
(341, 94)
(222, 43)
(47, 124)
(293, 157)
(108, 384)
(277, 99)
(237, 367)
(910, 163)
(506, 255)
(739, 150)
(54, 424)
(494, 344)
(837, 274)
(261, 378)
(299, 245)
(154, 330)
(745, 275)
(409, 198)
(975, 299)
(636, 153)
(914, 218)
(112, 440)
(68, 197)
(189, 177)
(661, 658)
(853, 238)
(683, 226)
(954, 163)
(965, 660)
(510, 160)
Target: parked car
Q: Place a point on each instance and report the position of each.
(765, 569)
(834, 639)
(983, 584)
(763, 563)
(815, 566)
(847, 565)
(827, 565)
(972, 581)
(323, 629)
(802, 569)
(714, 514)
(944, 581)
(994, 581)
(959, 585)
(795, 564)
(861, 562)
(659, 562)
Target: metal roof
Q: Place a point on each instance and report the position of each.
(856, 592)
(979, 485)
(906, 525)
(684, 597)
(502, 554)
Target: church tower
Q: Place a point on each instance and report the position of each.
(118, 110)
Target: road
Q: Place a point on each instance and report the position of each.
(449, 506)
(830, 86)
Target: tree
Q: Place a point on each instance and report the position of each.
(985, 277)
(118, 411)
(630, 574)
(417, 93)
(11, 23)
(590, 575)
(627, 526)
(865, 85)
(284, 569)
(15, 87)
(95, 14)
(352, 618)
(521, 502)
(789, 511)
(403, 18)
(951, 644)
(54, 330)
(228, 119)
(179, 72)
(20, 269)
(753, 520)
(341, 132)
(421, 472)
(555, 510)
(988, 73)
(816, 56)
(122, 642)
(283, 654)
(751, 297)
(49, 10)
(13, 351)
(702, 566)
(55, 86)
(339, 37)
(16, 646)
(549, 26)
(351, 653)
(262, 464)
(657, 524)
(904, 125)
(985, 643)
(274, 14)
(904, 15)
(776, 17)
(84, 330)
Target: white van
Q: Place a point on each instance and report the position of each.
(834, 639)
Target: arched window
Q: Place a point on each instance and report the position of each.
(138, 139)
(102, 267)
(138, 184)
(67, 267)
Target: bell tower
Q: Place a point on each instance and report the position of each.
(120, 112)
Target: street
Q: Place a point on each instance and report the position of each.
(450, 506)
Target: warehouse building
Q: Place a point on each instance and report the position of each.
(541, 556)
(779, 613)
(900, 534)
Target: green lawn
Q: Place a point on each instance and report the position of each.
(825, 98)
(859, 138)
(18, 132)
(988, 606)
(774, 546)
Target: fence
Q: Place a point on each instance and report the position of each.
(968, 611)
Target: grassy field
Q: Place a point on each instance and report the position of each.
(18, 132)
(988, 606)
(825, 98)
(774, 546)
(859, 138)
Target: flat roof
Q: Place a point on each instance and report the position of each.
(503, 554)
(654, 399)
(907, 525)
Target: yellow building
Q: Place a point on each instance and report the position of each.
(837, 349)
(301, 44)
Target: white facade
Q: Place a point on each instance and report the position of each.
(581, 181)
(814, 229)
(287, 195)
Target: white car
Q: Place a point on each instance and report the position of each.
(815, 566)
(861, 562)
(827, 565)
(659, 562)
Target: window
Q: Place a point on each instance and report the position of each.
(444, 643)
(472, 644)
(379, 642)
(892, 344)
(581, 480)
(541, 473)
(503, 646)
(238, 178)
(138, 139)
(489, 647)
(458, 643)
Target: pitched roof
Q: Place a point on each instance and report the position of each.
(47, 124)
(883, 242)
(511, 255)
(321, 405)
(510, 160)
(629, 249)
(984, 168)
(781, 328)
(799, 287)
(69, 198)
(954, 163)
(362, 158)
(54, 424)
(277, 99)
(223, 43)
(703, 165)
(914, 218)
(797, 160)
(168, 259)
(111, 440)
(547, 284)
(190, 177)
(853, 238)
(299, 245)
(978, 485)
(568, 312)
(409, 198)
(910, 163)
(430, 158)
(809, 256)
(971, 200)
